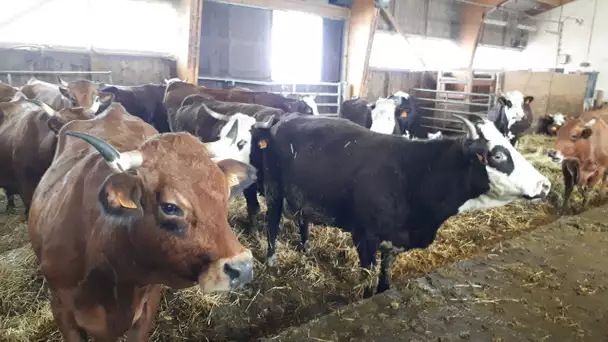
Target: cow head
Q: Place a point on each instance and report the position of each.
(510, 108)
(82, 93)
(301, 104)
(573, 139)
(551, 123)
(508, 175)
(7, 92)
(383, 115)
(171, 199)
(58, 119)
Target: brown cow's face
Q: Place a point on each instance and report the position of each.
(7, 92)
(572, 140)
(81, 93)
(174, 207)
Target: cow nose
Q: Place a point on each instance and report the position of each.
(240, 273)
(543, 187)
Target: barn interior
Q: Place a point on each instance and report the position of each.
(452, 56)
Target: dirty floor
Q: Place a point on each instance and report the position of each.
(549, 285)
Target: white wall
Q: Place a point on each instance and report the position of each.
(542, 47)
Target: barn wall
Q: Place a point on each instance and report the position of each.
(543, 47)
(382, 83)
(127, 70)
(553, 92)
(433, 18)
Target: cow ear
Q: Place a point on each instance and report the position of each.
(64, 91)
(55, 123)
(120, 196)
(239, 175)
(502, 100)
(528, 99)
(586, 133)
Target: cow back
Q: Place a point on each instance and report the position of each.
(357, 111)
(47, 93)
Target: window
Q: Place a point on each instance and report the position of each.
(497, 58)
(392, 51)
(123, 25)
(297, 43)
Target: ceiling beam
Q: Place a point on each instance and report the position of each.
(309, 6)
(361, 30)
(471, 26)
(555, 3)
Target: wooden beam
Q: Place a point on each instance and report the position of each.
(471, 27)
(556, 3)
(362, 27)
(188, 54)
(308, 6)
(393, 22)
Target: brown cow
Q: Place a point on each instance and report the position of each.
(124, 223)
(78, 93)
(27, 143)
(177, 91)
(582, 149)
(7, 92)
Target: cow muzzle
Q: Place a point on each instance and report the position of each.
(556, 156)
(228, 274)
(541, 190)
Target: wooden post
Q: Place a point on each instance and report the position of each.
(362, 27)
(188, 56)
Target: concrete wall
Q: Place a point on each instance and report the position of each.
(543, 46)
(126, 70)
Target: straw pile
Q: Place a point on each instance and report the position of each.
(303, 287)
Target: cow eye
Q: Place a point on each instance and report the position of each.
(241, 144)
(574, 137)
(171, 209)
(499, 157)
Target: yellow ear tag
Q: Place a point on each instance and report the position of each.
(553, 129)
(125, 202)
(403, 114)
(263, 144)
(233, 180)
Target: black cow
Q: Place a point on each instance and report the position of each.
(144, 101)
(512, 115)
(205, 118)
(383, 187)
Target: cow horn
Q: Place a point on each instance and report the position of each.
(50, 111)
(264, 124)
(472, 131)
(216, 115)
(62, 82)
(119, 162)
(95, 106)
(590, 123)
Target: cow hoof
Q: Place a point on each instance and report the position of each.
(272, 261)
(368, 292)
(303, 247)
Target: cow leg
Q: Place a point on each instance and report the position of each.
(273, 218)
(366, 249)
(570, 172)
(253, 206)
(10, 199)
(140, 331)
(303, 223)
(65, 322)
(388, 254)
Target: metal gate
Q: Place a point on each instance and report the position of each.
(8, 75)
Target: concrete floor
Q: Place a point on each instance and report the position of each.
(549, 285)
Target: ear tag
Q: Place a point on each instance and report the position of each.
(125, 202)
(482, 159)
(233, 180)
(263, 144)
(403, 114)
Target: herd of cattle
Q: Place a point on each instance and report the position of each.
(115, 209)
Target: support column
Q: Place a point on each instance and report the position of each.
(188, 55)
(362, 27)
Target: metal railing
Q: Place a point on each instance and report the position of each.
(9, 73)
(436, 110)
(328, 95)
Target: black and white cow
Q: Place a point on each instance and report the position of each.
(512, 115)
(550, 124)
(383, 188)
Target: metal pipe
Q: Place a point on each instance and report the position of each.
(34, 72)
(451, 92)
(452, 102)
(221, 79)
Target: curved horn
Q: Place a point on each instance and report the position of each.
(62, 82)
(95, 106)
(50, 111)
(216, 115)
(265, 124)
(472, 131)
(119, 162)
